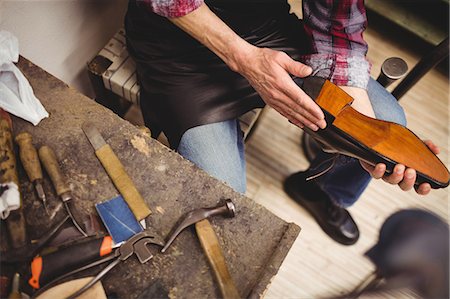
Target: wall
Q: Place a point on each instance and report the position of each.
(61, 36)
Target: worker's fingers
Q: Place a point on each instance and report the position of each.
(268, 71)
(291, 89)
(433, 147)
(409, 178)
(404, 177)
(293, 67)
(376, 172)
(294, 117)
(396, 176)
(423, 189)
(305, 103)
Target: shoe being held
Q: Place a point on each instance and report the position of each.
(374, 141)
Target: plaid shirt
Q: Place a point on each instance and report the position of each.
(335, 29)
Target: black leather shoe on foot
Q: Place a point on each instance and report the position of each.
(334, 220)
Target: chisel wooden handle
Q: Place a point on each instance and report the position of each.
(29, 156)
(51, 165)
(211, 247)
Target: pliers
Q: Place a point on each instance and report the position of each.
(135, 245)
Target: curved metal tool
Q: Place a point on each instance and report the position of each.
(227, 209)
(142, 251)
(136, 244)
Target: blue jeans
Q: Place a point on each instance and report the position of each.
(218, 149)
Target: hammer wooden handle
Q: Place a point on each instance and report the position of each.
(210, 243)
(29, 156)
(51, 165)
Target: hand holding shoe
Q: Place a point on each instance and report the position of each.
(401, 176)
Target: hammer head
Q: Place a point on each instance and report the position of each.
(226, 208)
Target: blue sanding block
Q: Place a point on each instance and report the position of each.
(118, 219)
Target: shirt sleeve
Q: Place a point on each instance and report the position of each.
(338, 51)
(171, 8)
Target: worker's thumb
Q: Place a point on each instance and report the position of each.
(298, 69)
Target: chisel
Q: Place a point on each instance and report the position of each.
(31, 164)
(51, 165)
(116, 172)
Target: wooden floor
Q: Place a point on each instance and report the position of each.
(316, 266)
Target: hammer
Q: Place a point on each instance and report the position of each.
(210, 243)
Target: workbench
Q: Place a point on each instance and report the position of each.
(254, 243)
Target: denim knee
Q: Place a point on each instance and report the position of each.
(384, 104)
(218, 149)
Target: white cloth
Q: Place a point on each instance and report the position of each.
(9, 199)
(16, 94)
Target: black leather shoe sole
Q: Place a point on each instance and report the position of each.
(390, 139)
(343, 229)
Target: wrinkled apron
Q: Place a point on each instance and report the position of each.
(184, 84)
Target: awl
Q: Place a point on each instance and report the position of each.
(31, 164)
(116, 172)
(51, 165)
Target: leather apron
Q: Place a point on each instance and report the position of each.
(184, 84)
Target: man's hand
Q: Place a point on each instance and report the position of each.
(268, 72)
(401, 176)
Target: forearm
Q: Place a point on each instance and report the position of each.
(212, 32)
(267, 71)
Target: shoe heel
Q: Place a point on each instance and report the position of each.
(333, 99)
(328, 96)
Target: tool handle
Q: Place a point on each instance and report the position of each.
(123, 182)
(51, 165)
(211, 247)
(29, 156)
(15, 223)
(8, 169)
(46, 268)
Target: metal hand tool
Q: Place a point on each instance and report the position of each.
(51, 165)
(210, 243)
(45, 268)
(227, 209)
(135, 245)
(31, 164)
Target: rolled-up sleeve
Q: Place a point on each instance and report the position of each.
(338, 50)
(171, 8)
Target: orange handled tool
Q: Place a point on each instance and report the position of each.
(46, 268)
